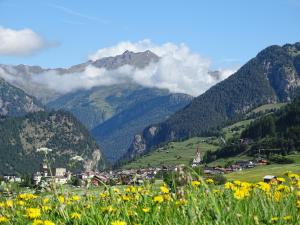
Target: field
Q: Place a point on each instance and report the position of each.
(256, 174)
(174, 153)
(196, 201)
(266, 107)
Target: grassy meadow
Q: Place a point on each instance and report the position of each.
(174, 153)
(198, 201)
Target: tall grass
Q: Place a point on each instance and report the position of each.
(197, 202)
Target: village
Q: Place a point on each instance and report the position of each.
(46, 175)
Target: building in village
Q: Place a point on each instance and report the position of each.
(197, 160)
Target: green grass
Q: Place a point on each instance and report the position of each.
(174, 153)
(266, 107)
(235, 129)
(256, 174)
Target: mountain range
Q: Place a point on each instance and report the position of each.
(126, 107)
(272, 76)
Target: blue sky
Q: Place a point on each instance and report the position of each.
(227, 32)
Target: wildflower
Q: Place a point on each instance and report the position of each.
(241, 194)
(45, 200)
(9, 203)
(108, 209)
(103, 195)
(3, 219)
(298, 204)
(46, 208)
(118, 222)
(48, 222)
(274, 219)
(277, 196)
(116, 190)
(281, 179)
(125, 198)
(282, 188)
(164, 189)
(75, 198)
(286, 218)
(195, 183)
(180, 202)
(229, 185)
(167, 197)
(264, 186)
(38, 222)
(158, 199)
(21, 203)
(293, 176)
(61, 199)
(209, 181)
(33, 213)
(146, 210)
(75, 216)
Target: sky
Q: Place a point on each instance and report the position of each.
(67, 32)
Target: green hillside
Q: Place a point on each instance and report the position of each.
(175, 153)
(270, 77)
(60, 131)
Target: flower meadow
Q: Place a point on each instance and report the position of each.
(198, 202)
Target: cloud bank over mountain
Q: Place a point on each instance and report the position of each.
(178, 69)
(20, 42)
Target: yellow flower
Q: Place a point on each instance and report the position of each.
(75, 198)
(293, 176)
(158, 199)
(264, 186)
(287, 218)
(46, 208)
(281, 179)
(116, 190)
(33, 213)
(167, 197)
(103, 195)
(3, 219)
(27, 196)
(21, 203)
(45, 200)
(125, 198)
(48, 222)
(274, 219)
(209, 181)
(146, 210)
(195, 183)
(282, 188)
(75, 216)
(229, 185)
(164, 189)
(298, 204)
(38, 222)
(118, 222)
(61, 199)
(109, 209)
(277, 196)
(241, 193)
(180, 202)
(9, 203)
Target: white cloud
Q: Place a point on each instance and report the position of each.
(178, 70)
(20, 42)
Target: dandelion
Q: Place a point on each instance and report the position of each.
(281, 179)
(181, 202)
(274, 219)
(158, 199)
(3, 219)
(195, 183)
(75, 216)
(38, 222)
(209, 181)
(61, 199)
(164, 189)
(45, 200)
(9, 203)
(118, 222)
(286, 218)
(75, 198)
(241, 194)
(146, 210)
(33, 213)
